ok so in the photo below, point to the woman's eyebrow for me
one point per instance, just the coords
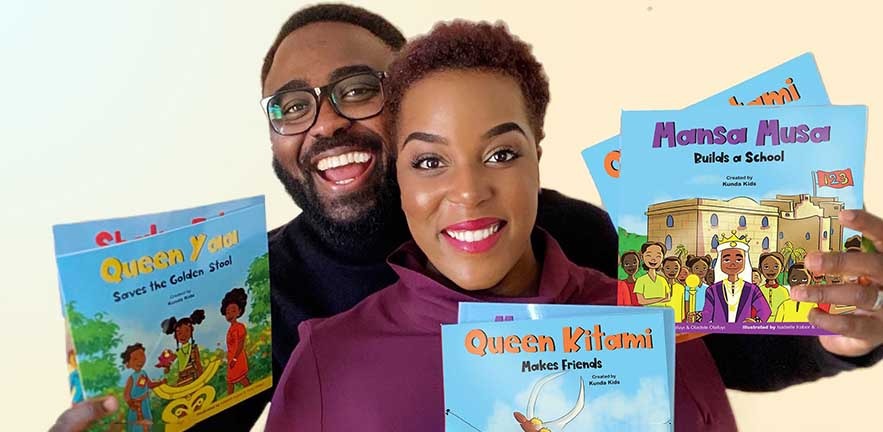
(423, 136)
(501, 129)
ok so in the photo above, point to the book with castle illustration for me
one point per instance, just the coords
(558, 368)
(795, 82)
(718, 209)
(169, 312)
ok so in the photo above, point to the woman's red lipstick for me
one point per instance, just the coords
(474, 236)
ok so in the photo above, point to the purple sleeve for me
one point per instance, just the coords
(297, 402)
(708, 309)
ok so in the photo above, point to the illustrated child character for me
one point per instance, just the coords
(671, 268)
(625, 289)
(652, 289)
(232, 307)
(733, 299)
(137, 390)
(755, 277)
(699, 266)
(771, 265)
(792, 310)
(189, 365)
(827, 307)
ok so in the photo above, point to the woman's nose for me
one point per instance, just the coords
(469, 187)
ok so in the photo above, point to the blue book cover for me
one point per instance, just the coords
(172, 315)
(720, 207)
(795, 82)
(595, 370)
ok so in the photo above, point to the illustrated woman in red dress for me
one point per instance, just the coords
(232, 307)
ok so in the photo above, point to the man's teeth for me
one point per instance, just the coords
(473, 236)
(342, 160)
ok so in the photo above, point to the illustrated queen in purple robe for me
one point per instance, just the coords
(733, 298)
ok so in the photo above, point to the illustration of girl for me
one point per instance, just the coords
(699, 266)
(625, 289)
(771, 265)
(189, 365)
(671, 268)
(650, 289)
(792, 310)
(137, 390)
(755, 277)
(232, 307)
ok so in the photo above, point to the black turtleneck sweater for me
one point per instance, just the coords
(311, 278)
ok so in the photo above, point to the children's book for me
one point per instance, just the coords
(795, 82)
(168, 312)
(720, 207)
(558, 368)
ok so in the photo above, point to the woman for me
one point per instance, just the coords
(232, 307)
(465, 113)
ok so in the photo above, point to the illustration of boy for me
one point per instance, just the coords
(733, 299)
(792, 310)
(137, 390)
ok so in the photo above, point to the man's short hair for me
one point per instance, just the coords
(376, 24)
(462, 45)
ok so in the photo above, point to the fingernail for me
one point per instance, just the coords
(846, 215)
(814, 261)
(109, 404)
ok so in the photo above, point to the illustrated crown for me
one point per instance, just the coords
(734, 240)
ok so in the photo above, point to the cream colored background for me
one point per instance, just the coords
(114, 108)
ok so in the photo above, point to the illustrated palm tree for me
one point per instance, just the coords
(681, 252)
(793, 254)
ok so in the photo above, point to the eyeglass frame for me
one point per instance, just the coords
(318, 92)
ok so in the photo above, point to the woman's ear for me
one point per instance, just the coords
(539, 152)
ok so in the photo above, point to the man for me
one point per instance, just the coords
(733, 299)
(335, 164)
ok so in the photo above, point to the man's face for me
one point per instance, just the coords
(338, 168)
(732, 261)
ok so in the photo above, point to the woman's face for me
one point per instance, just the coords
(770, 267)
(231, 312)
(652, 256)
(468, 170)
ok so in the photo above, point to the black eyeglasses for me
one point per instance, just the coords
(355, 97)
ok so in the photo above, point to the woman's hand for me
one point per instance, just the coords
(860, 332)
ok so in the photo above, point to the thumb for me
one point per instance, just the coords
(82, 415)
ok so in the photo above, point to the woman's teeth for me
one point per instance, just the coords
(474, 236)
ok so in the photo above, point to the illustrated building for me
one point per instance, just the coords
(697, 223)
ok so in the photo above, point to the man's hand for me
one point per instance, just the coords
(862, 331)
(82, 415)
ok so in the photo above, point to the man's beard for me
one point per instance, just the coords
(370, 217)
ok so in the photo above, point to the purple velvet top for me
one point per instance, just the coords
(378, 366)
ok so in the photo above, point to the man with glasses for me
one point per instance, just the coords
(322, 82)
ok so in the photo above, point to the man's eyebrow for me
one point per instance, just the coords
(502, 128)
(345, 71)
(423, 136)
(295, 84)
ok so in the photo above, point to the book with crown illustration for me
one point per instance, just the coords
(719, 207)
(561, 367)
(795, 82)
(169, 312)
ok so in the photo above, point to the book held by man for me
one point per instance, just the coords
(168, 312)
(719, 207)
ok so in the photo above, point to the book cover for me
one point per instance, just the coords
(720, 207)
(592, 371)
(795, 82)
(176, 323)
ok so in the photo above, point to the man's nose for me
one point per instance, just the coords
(328, 121)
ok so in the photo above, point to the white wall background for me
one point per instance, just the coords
(112, 108)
